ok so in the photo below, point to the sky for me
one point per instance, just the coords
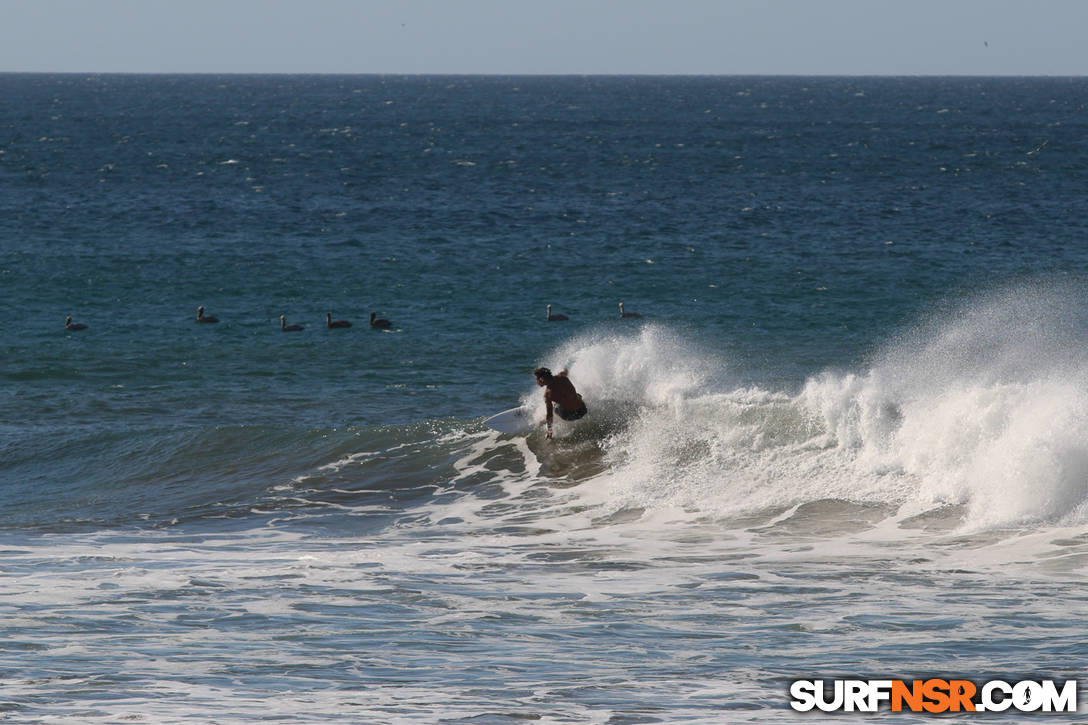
(657, 37)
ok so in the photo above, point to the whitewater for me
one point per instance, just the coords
(980, 409)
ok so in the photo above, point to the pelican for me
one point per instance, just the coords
(73, 326)
(628, 314)
(288, 328)
(330, 323)
(557, 317)
(201, 318)
(376, 321)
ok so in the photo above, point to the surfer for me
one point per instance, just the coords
(558, 389)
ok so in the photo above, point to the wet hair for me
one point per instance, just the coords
(543, 373)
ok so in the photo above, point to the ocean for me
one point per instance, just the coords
(847, 438)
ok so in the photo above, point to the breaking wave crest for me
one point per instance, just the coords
(983, 408)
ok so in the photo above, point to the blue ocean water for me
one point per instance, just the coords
(846, 437)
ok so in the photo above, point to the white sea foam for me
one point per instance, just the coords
(983, 407)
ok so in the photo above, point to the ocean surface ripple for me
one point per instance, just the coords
(847, 437)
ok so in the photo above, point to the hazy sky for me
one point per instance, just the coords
(796, 37)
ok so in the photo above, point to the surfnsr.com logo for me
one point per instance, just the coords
(933, 695)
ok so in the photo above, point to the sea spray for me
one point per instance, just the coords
(984, 407)
(652, 366)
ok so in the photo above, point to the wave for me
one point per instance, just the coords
(981, 410)
(976, 419)
(157, 477)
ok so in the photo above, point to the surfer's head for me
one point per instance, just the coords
(543, 376)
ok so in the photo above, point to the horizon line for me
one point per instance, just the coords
(540, 75)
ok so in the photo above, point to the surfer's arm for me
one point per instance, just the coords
(548, 411)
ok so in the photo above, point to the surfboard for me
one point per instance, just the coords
(514, 421)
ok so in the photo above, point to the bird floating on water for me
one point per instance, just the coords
(628, 314)
(201, 317)
(376, 321)
(556, 317)
(73, 326)
(331, 323)
(288, 328)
